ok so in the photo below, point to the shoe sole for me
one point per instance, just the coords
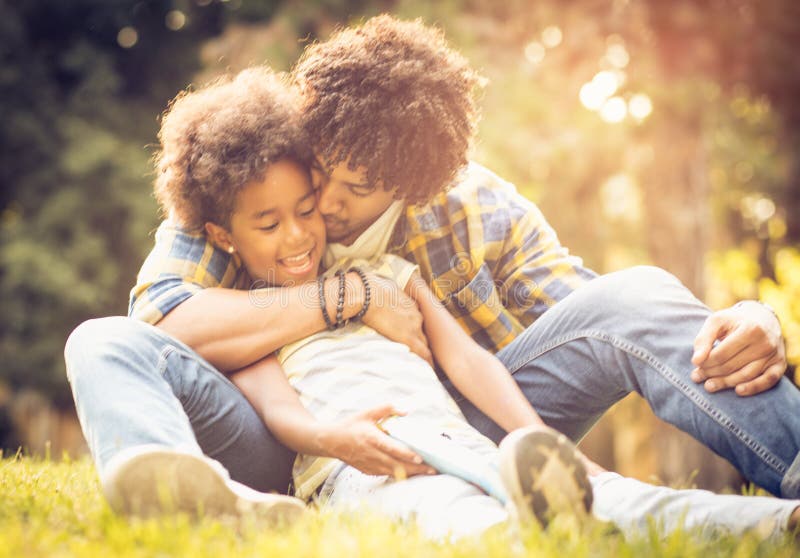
(163, 481)
(543, 475)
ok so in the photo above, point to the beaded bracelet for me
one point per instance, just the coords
(340, 321)
(367, 293)
(321, 285)
(340, 301)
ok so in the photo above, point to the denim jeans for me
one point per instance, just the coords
(626, 331)
(634, 331)
(134, 385)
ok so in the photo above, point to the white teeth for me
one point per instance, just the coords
(296, 259)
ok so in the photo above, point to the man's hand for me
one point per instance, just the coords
(359, 442)
(740, 347)
(395, 315)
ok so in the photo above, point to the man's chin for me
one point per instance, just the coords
(337, 234)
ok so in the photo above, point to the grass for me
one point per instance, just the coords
(55, 508)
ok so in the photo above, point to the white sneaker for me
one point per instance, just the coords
(543, 475)
(150, 480)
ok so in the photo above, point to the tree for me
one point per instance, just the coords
(81, 84)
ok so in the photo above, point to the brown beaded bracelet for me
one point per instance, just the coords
(340, 322)
(367, 293)
(321, 285)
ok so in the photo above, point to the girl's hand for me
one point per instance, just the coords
(359, 442)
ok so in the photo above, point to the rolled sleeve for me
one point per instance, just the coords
(180, 265)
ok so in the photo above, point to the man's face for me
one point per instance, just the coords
(348, 203)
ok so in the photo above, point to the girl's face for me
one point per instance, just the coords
(275, 228)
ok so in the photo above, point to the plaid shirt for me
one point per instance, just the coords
(487, 253)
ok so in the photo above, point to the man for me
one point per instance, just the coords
(390, 107)
(498, 266)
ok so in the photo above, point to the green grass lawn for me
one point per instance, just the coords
(55, 508)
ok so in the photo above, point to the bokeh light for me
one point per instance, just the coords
(617, 55)
(764, 209)
(552, 36)
(606, 83)
(591, 97)
(614, 110)
(175, 20)
(534, 52)
(757, 209)
(595, 93)
(640, 106)
(127, 37)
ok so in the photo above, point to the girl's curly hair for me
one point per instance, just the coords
(393, 97)
(217, 140)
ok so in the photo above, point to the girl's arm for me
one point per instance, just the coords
(357, 440)
(475, 372)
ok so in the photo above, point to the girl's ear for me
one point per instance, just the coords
(219, 237)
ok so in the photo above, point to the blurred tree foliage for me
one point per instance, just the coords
(78, 110)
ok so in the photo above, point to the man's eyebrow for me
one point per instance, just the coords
(319, 166)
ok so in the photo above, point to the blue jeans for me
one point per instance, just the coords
(626, 331)
(133, 385)
(634, 331)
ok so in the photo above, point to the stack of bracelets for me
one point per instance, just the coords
(340, 321)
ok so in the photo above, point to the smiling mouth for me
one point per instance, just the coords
(299, 264)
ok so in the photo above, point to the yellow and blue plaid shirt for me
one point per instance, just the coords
(487, 252)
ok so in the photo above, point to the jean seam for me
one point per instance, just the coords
(163, 357)
(668, 374)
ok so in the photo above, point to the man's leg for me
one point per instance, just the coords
(136, 386)
(634, 331)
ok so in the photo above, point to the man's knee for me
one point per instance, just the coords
(637, 291)
(96, 339)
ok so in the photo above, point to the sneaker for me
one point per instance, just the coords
(543, 475)
(151, 480)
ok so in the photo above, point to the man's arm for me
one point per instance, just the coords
(740, 347)
(185, 287)
(356, 440)
(475, 372)
(233, 328)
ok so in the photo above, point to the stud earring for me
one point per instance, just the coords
(231, 249)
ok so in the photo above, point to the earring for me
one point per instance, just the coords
(231, 249)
